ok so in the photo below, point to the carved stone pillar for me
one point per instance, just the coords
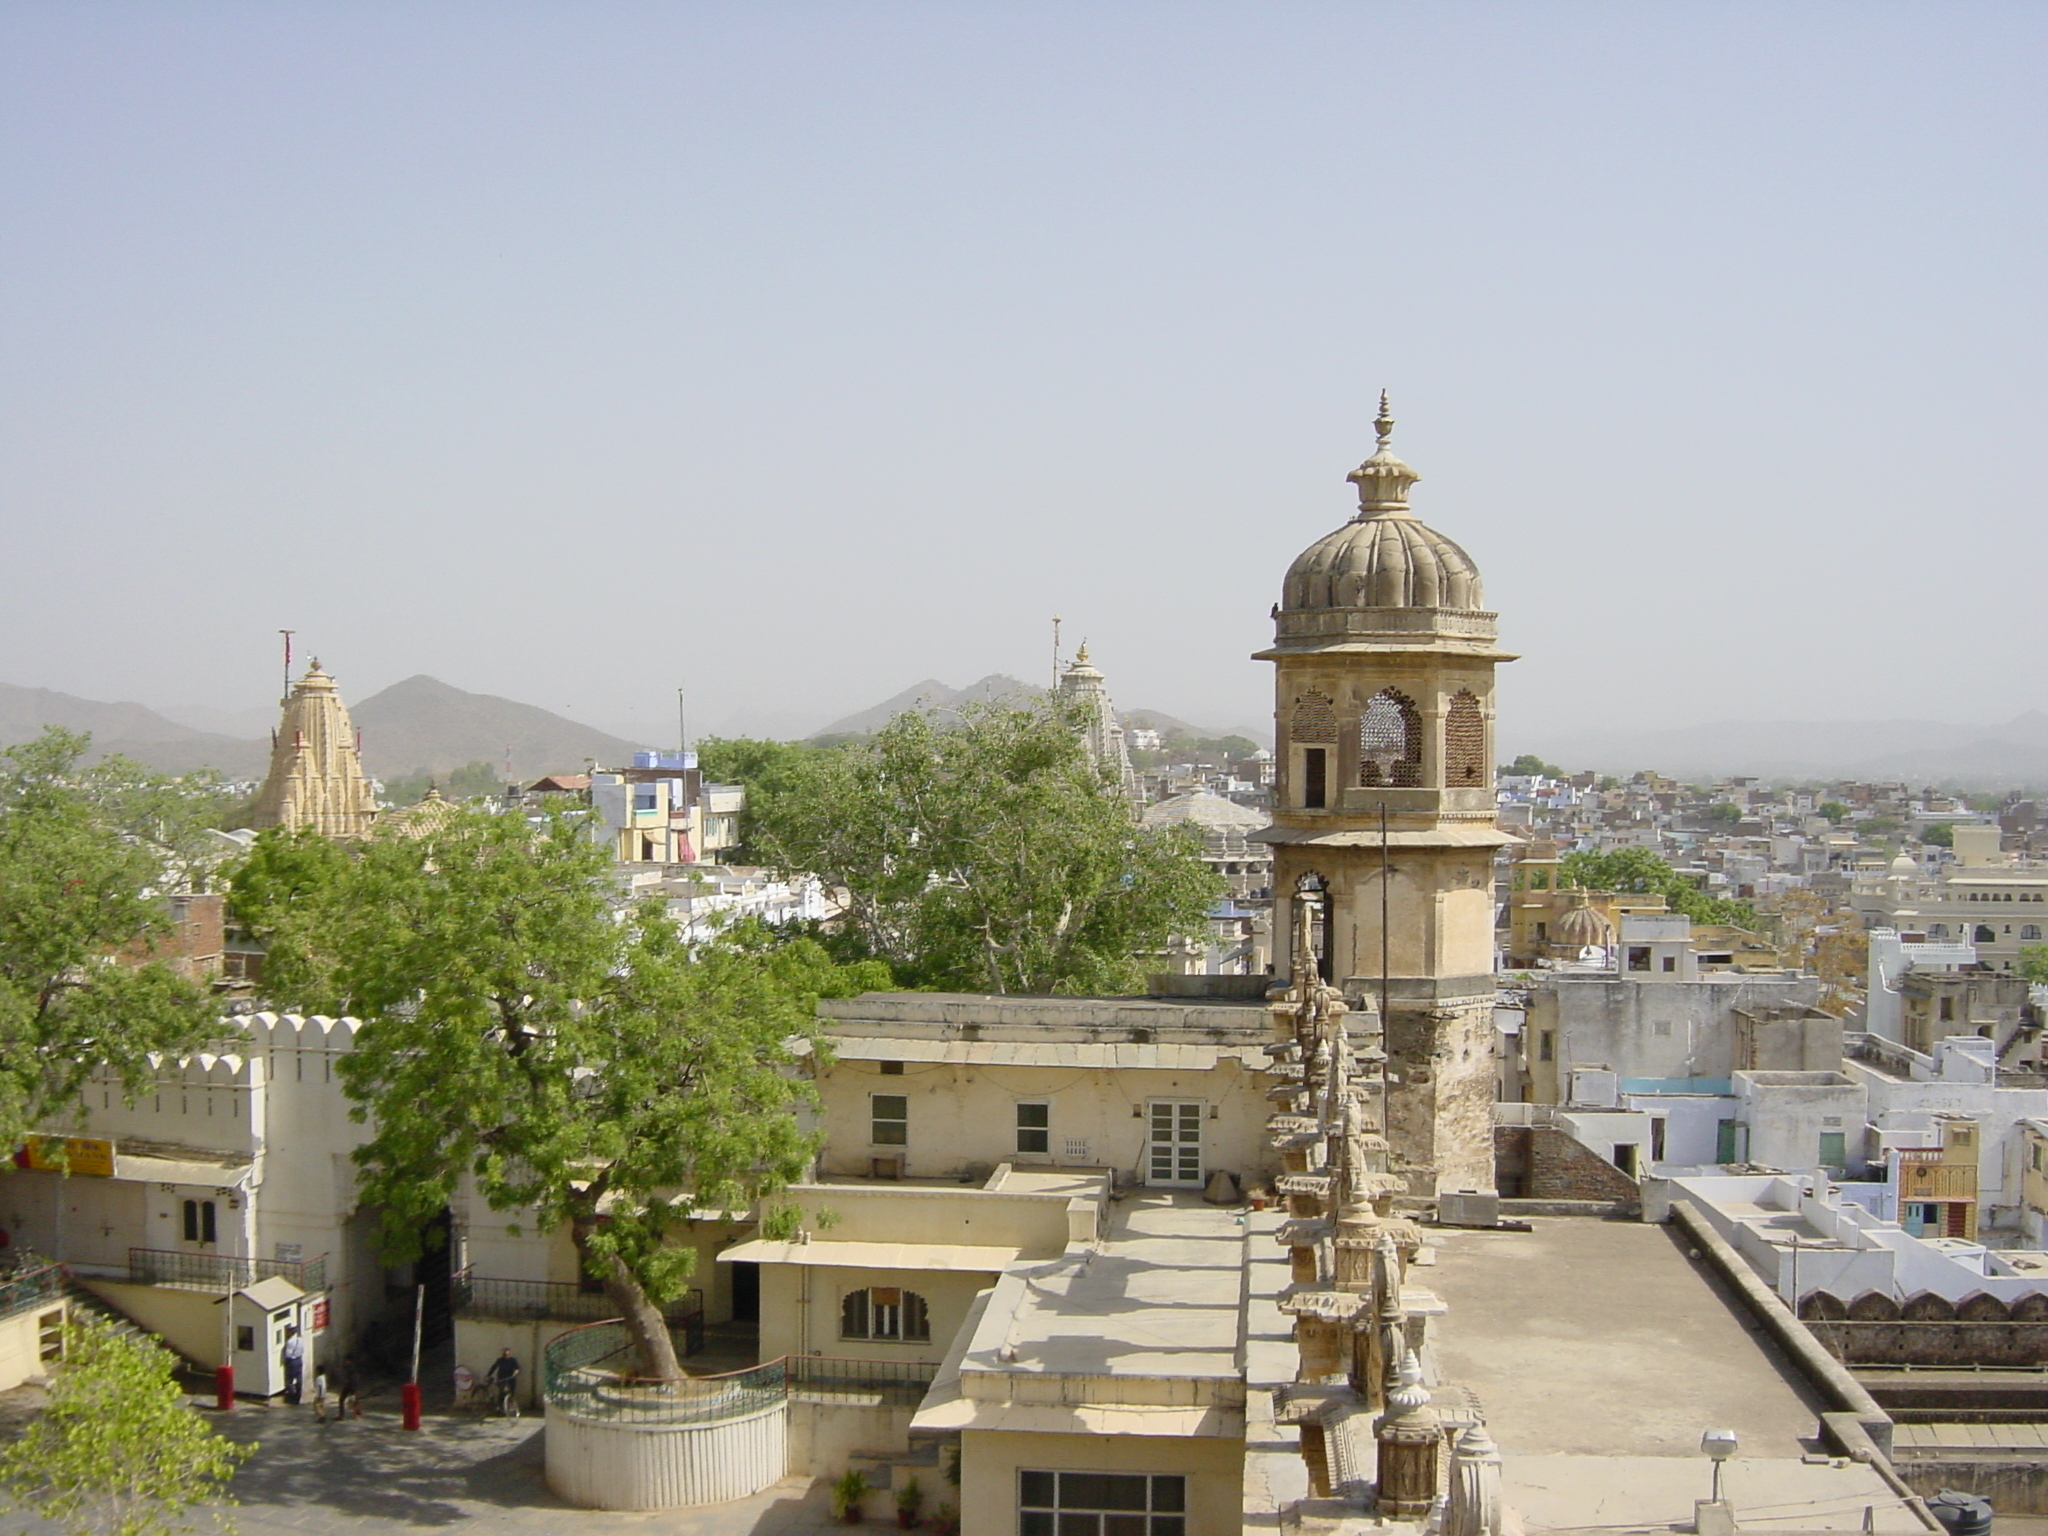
(1475, 1503)
(1408, 1436)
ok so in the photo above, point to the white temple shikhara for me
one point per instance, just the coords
(316, 777)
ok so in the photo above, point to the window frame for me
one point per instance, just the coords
(1065, 1500)
(1041, 1132)
(898, 1123)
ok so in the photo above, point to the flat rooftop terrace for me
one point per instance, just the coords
(1600, 1352)
(1602, 1338)
(1159, 1297)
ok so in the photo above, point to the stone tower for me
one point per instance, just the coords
(1082, 683)
(316, 774)
(1385, 656)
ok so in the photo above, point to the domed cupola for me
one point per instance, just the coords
(1385, 570)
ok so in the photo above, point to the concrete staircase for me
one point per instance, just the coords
(80, 1299)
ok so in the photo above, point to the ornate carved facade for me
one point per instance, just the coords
(1384, 808)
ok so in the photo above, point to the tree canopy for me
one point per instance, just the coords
(117, 1452)
(1640, 870)
(87, 856)
(770, 770)
(1529, 765)
(565, 1057)
(991, 854)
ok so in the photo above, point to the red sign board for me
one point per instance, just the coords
(320, 1314)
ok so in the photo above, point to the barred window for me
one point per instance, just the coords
(1464, 741)
(1390, 741)
(1315, 718)
(885, 1312)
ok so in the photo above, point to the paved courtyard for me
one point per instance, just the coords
(368, 1477)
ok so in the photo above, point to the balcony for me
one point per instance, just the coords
(25, 1289)
(220, 1271)
(526, 1301)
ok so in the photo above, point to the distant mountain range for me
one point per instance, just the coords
(421, 725)
(2011, 755)
(935, 695)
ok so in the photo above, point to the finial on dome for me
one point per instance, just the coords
(1383, 480)
(1081, 656)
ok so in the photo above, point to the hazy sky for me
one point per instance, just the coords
(796, 352)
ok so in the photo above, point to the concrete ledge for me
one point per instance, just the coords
(1827, 1373)
(1611, 1210)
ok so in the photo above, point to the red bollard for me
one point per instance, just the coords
(224, 1386)
(409, 1405)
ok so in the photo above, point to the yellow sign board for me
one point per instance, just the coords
(87, 1155)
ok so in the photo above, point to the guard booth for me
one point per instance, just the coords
(260, 1315)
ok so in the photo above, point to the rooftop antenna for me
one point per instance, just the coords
(1055, 650)
(287, 633)
(682, 724)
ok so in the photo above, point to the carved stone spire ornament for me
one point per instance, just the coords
(1408, 1438)
(1474, 1507)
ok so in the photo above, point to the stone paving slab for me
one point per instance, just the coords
(483, 1476)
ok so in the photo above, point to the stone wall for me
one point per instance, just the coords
(1540, 1162)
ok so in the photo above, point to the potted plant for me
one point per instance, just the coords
(945, 1522)
(909, 1499)
(847, 1496)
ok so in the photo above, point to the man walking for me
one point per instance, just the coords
(294, 1366)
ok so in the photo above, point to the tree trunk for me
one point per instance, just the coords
(643, 1319)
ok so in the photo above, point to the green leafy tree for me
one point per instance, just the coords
(567, 1059)
(1723, 812)
(81, 898)
(1529, 765)
(1941, 835)
(471, 781)
(2033, 962)
(1834, 811)
(1640, 870)
(281, 870)
(770, 771)
(117, 1452)
(990, 855)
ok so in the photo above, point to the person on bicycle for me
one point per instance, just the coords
(503, 1377)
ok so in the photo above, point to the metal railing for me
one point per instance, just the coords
(29, 1287)
(521, 1301)
(588, 1372)
(900, 1382)
(217, 1271)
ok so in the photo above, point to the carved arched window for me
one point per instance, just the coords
(1390, 741)
(885, 1312)
(1464, 742)
(1315, 718)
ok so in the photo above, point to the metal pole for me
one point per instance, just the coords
(1386, 965)
(224, 1378)
(409, 1394)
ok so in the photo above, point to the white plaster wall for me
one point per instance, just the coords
(965, 1118)
(607, 1465)
(1661, 1029)
(21, 1344)
(800, 1309)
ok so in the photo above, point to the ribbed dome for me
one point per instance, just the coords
(1385, 557)
(1582, 926)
